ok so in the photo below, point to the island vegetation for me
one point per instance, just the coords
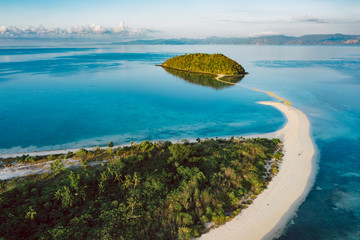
(217, 64)
(158, 190)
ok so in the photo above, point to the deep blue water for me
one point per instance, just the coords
(73, 97)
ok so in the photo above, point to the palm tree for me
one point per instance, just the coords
(57, 166)
(136, 180)
(31, 213)
(128, 181)
(132, 203)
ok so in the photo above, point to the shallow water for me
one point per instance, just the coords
(91, 97)
(85, 97)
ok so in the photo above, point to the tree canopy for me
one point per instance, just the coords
(145, 191)
(205, 63)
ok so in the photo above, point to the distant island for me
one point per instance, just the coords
(313, 39)
(216, 64)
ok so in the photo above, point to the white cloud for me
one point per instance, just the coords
(89, 31)
(121, 27)
(2, 29)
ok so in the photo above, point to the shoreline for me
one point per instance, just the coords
(271, 210)
(267, 217)
(214, 74)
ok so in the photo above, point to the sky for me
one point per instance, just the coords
(185, 18)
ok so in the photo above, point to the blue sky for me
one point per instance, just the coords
(196, 18)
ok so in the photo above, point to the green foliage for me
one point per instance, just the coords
(65, 196)
(179, 153)
(31, 213)
(146, 191)
(110, 144)
(205, 63)
(82, 154)
(57, 166)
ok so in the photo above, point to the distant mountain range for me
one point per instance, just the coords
(316, 39)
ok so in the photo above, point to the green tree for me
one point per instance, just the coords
(30, 213)
(205, 63)
(168, 194)
(82, 154)
(57, 166)
(128, 182)
(74, 180)
(179, 153)
(65, 196)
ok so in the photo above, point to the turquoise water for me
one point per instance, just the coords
(88, 97)
(60, 98)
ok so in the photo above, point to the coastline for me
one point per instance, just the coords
(276, 205)
(213, 74)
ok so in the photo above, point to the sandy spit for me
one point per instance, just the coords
(275, 206)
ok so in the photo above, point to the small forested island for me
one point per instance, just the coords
(159, 190)
(217, 64)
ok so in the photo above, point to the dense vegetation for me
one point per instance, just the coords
(205, 63)
(207, 80)
(144, 191)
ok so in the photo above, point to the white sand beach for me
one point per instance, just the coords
(273, 208)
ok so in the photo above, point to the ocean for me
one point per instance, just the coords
(87, 95)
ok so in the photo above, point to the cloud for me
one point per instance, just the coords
(309, 19)
(263, 34)
(89, 31)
